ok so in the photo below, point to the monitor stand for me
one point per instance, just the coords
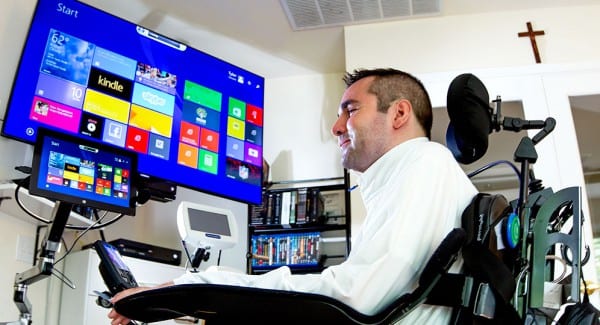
(45, 264)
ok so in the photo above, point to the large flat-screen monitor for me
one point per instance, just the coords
(193, 119)
(83, 172)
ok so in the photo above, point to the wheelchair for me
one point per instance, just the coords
(504, 246)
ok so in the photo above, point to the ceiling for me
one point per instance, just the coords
(304, 14)
(273, 48)
(226, 27)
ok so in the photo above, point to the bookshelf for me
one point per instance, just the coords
(302, 224)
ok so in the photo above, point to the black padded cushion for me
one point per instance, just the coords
(470, 118)
(481, 256)
(480, 215)
(223, 304)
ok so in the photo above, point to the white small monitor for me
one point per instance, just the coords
(205, 226)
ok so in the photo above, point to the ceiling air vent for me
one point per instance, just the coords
(309, 14)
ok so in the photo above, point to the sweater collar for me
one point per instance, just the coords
(370, 181)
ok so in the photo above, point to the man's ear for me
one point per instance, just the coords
(401, 110)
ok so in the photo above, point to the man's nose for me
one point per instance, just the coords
(339, 127)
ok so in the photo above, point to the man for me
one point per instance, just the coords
(413, 190)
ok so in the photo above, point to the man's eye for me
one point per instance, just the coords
(351, 111)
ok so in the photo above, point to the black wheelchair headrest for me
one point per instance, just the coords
(470, 118)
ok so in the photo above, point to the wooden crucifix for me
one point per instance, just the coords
(532, 34)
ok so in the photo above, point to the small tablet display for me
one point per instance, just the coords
(91, 174)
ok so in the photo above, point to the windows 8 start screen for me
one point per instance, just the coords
(192, 118)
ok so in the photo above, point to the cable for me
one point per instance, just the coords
(20, 204)
(518, 280)
(539, 312)
(63, 278)
(95, 214)
(77, 239)
(494, 164)
(189, 261)
(68, 226)
(564, 264)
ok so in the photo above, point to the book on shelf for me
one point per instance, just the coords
(277, 208)
(269, 208)
(293, 206)
(286, 200)
(302, 194)
(257, 215)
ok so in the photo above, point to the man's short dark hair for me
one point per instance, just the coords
(391, 84)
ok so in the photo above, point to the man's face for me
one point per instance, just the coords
(362, 131)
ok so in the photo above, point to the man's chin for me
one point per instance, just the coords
(347, 163)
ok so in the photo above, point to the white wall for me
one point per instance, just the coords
(14, 22)
(10, 229)
(299, 113)
(475, 41)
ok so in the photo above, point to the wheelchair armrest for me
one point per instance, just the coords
(227, 304)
